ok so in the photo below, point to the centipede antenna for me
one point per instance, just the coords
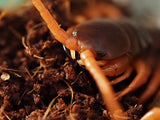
(104, 85)
(66, 39)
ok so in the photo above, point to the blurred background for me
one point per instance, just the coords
(142, 11)
(10, 4)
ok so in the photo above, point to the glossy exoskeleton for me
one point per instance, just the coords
(110, 48)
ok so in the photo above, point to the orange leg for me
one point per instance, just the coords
(103, 10)
(153, 114)
(68, 40)
(116, 67)
(143, 72)
(104, 85)
(123, 77)
(152, 86)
